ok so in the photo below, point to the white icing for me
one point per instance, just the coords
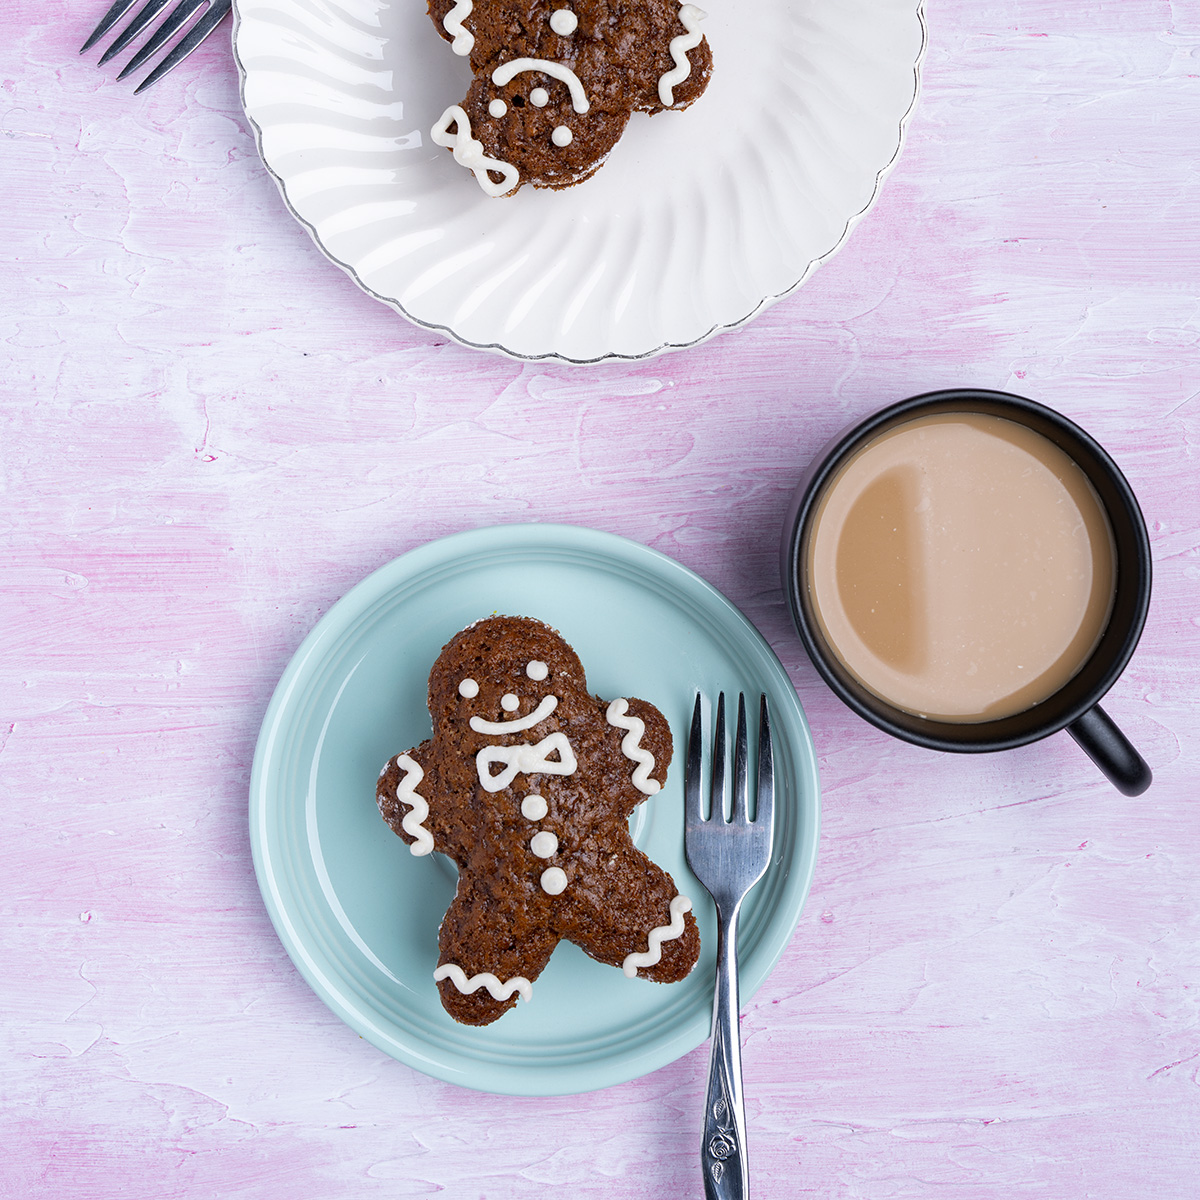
(543, 844)
(631, 747)
(562, 136)
(452, 23)
(537, 670)
(485, 979)
(564, 22)
(534, 807)
(406, 793)
(505, 72)
(689, 17)
(509, 702)
(662, 933)
(468, 688)
(539, 97)
(554, 881)
(525, 759)
(497, 108)
(539, 714)
(468, 152)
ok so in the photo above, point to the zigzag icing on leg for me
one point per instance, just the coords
(485, 979)
(662, 933)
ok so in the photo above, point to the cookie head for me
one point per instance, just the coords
(555, 82)
(503, 676)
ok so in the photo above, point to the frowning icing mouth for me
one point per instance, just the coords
(539, 714)
(505, 72)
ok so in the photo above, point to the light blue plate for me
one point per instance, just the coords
(359, 914)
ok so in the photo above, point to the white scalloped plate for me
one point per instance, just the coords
(697, 221)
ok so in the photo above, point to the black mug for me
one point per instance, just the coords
(1074, 706)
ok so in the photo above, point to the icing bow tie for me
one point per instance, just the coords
(525, 759)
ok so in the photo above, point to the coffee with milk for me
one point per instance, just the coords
(961, 567)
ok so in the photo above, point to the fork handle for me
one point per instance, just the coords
(723, 1146)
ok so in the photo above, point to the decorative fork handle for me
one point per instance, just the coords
(723, 1148)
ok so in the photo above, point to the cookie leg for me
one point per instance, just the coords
(634, 917)
(491, 953)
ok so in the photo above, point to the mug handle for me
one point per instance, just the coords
(1111, 751)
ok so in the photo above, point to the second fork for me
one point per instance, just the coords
(211, 14)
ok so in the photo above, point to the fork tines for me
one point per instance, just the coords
(212, 13)
(765, 781)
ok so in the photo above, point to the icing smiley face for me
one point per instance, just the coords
(532, 801)
(547, 107)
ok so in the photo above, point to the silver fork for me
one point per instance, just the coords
(729, 856)
(215, 12)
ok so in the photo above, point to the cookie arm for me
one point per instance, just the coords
(642, 738)
(691, 61)
(490, 954)
(404, 794)
(438, 11)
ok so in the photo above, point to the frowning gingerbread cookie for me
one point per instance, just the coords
(555, 81)
(528, 783)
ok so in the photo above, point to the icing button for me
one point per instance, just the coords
(509, 702)
(468, 689)
(562, 136)
(564, 22)
(536, 670)
(539, 97)
(534, 807)
(554, 880)
(544, 845)
(497, 108)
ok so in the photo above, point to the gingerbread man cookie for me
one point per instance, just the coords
(555, 81)
(528, 783)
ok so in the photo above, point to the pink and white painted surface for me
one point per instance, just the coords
(209, 435)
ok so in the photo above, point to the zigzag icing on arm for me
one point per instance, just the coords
(662, 933)
(452, 23)
(468, 152)
(631, 746)
(689, 17)
(406, 793)
(506, 71)
(485, 979)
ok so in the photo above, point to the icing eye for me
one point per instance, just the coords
(562, 136)
(539, 97)
(468, 689)
(564, 22)
(497, 108)
(537, 670)
(509, 702)
(534, 807)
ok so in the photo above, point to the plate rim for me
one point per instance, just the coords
(612, 356)
(538, 1080)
